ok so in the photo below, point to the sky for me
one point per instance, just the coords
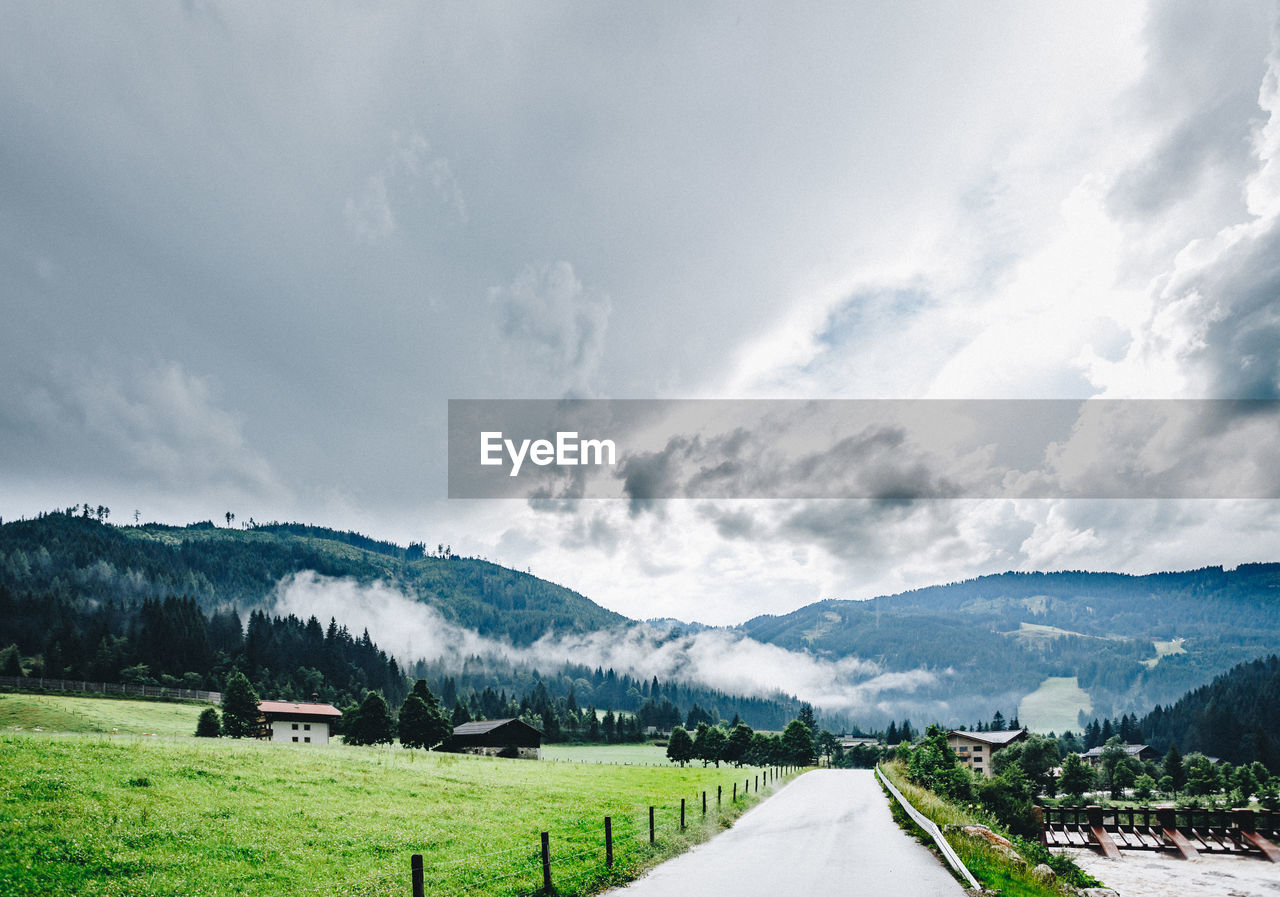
(248, 252)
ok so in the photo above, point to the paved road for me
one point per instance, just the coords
(827, 832)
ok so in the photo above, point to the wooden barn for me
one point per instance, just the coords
(497, 738)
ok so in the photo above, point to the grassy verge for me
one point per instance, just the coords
(116, 816)
(992, 869)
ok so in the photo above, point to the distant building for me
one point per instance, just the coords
(497, 738)
(303, 723)
(1141, 752)
(848, 742)
(975, 749)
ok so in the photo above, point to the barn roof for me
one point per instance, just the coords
(292, 708)
(483, 727)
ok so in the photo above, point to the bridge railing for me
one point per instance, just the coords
(1187, 830)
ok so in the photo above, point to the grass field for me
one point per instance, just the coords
(118, 815)
(1053, 706)
(613, 754)
(1037, 632)
(1165, 649)
(67, 713)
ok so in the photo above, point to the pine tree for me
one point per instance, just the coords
(372, 723)
(422, 723)
(209, 725)
(1108, 732)
(806, 716)
(12, 664)
(240, 713)
(1174, 770)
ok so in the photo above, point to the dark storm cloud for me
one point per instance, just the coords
(1200, 89)
(877, 462)
(1239, 354)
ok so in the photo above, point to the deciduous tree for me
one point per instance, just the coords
(680, 746)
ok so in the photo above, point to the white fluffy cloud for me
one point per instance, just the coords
(716, 658)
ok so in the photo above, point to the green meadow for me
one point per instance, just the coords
(147, 816)
(1053, 707)
(107, 716)
(613, 754)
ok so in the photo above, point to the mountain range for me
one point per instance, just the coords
(1055, 648)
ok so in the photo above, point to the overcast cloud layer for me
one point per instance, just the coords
(247, 254)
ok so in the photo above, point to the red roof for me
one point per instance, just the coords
(289, 708)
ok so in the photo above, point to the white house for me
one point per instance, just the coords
(303, 723)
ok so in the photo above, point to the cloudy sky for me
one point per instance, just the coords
(248, 253)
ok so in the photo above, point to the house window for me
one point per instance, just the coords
(307, 739)
(962, 749)
(976, 750)
(295, 727)
(295, 738)
(307, 726)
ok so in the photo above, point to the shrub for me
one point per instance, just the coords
(209, 725)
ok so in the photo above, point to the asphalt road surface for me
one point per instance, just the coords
(827, 832)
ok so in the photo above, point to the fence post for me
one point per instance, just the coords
(608, 842)
(757, 784)
(419, 887)
(546, 862)
(651, 825)
(719, 788)
(704, 803)
(682, 814)
(735, 792)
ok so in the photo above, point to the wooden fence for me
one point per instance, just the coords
(1187, 832)
(536, 865)
(35, 683)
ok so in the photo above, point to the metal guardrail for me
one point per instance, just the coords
(930, 828)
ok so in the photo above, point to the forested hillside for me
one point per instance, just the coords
(1132, 641)
(1236, 717)
(183, 606)
(70, 557)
